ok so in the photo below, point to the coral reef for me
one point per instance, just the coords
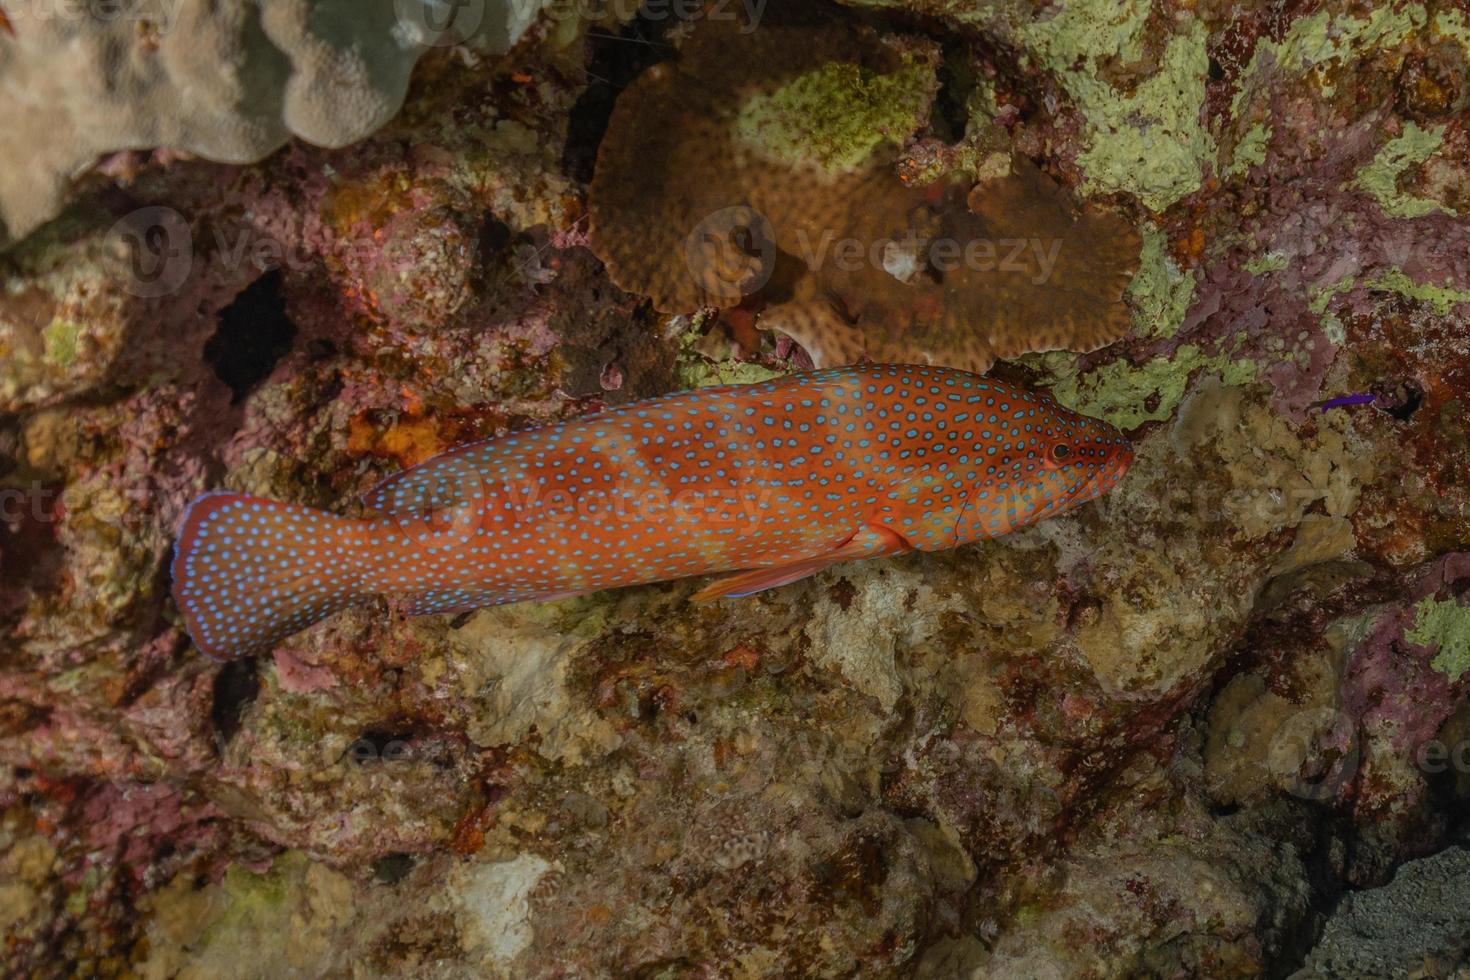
(1193, 728)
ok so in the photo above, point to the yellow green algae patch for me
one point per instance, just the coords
(217, 929)
(1128, 395)
(1318, 41)
(1161, 292)
(1440, 297)
(1250, 150)
(1445, 625)
(1454, 25)
(1319, 297)
(1379, 178)
(61, 338)
(1265, 262)
(1150, 142)
(837, 115)
(1320, 38)
(695, 370)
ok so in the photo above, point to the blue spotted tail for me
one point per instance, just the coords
(248, 572)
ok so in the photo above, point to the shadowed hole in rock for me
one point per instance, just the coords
(616, 59)
(950, 114)
(31, 555)
(380, 745)
(320, 349)
(254, 333)
(235, 688)
(1399, 397)
(390, 869)
(18, 717)
(495, 235)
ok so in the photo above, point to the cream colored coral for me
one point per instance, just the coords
(229, 80)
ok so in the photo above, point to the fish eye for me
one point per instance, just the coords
(1061, 452)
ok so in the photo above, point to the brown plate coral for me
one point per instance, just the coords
(761, 170)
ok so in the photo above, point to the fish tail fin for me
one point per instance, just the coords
(248, 571)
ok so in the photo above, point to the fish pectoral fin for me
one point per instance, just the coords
(759, 579)
(870, 541)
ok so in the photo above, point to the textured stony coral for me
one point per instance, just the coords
(1026, 757)
(230, 81)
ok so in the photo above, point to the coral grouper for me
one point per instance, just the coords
(772, 481)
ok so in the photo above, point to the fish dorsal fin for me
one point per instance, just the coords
(447, 480)
(454, 477)
(870, 541)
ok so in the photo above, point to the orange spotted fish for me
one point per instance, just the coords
(772, 481)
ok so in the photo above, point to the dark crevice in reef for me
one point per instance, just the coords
(950, 114)
(235, 687)
(31, 556)
(1400, 398)
(1320, 855)
(254, 333)
(390, 869)
(613, 61)
(495, 236)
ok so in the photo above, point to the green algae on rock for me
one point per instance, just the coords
(1380, 177)
(1442, 297)
(1151, 142)
(1161, 293)
(1128, 395)
(1444, 624)
(836, 116)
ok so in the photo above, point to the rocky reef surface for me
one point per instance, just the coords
(1183, 731)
